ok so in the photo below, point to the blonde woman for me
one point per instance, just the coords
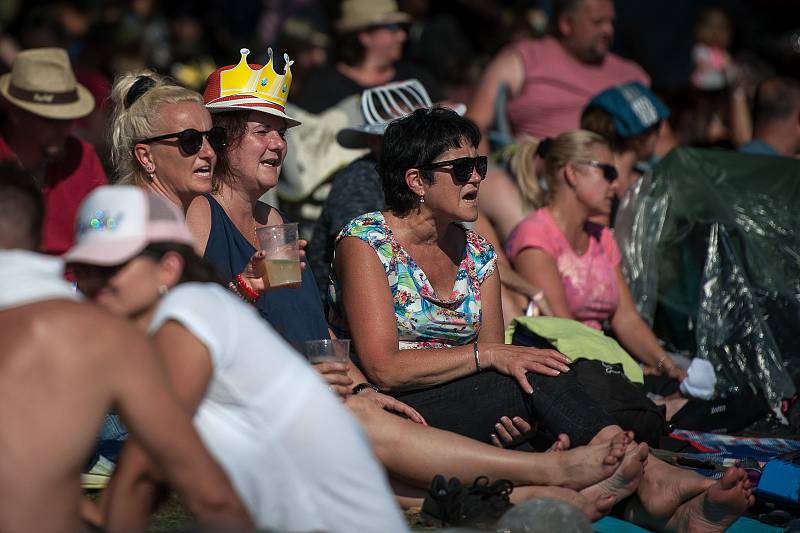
(576, 261)
(162, 138)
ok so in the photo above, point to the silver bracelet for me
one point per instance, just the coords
(477, 356)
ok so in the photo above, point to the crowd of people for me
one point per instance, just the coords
(136, 297)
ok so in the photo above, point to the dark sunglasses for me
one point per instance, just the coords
(609, 171)
(191, 140)
(80, 270)
(391, 26)
(462, 167)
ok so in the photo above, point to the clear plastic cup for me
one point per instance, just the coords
(327, 351)
(282, 249)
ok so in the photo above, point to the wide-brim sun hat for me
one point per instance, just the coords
(362, 14)
(116, 222)
(250, 87)
(42, 82)
(383, 104)
(634, 108)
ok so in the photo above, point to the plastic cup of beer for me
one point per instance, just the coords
(282, 250)
(327, 351)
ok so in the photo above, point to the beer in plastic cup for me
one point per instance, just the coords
(282, 254)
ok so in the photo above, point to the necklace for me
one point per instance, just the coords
(251, 239)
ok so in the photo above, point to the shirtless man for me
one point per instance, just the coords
(63, 365)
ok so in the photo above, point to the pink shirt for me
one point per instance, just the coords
(590, 280)
(557, 86)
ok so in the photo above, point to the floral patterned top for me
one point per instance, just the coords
(424, 320)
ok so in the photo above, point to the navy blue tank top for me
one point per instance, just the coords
(294, 313)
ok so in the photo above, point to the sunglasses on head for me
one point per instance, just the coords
(609, 171)
(191, 140)
(462, 167)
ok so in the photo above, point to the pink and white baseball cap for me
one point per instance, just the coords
(116, 222)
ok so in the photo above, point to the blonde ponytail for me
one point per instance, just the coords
(136, 118)
(523, 166)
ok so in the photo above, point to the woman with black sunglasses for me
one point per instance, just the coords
(574, 260)
(162, 137)
(419, 295)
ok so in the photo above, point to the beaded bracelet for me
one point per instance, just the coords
(245, 289)
(232, 286)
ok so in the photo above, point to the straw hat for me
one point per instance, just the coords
(361, 14)
(41, 81)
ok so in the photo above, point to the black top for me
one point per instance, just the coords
(296, 314)
(326, 86)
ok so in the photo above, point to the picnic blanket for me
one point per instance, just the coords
(727, 446)
(610, 524)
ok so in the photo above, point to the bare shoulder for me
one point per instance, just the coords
(66, 324)
(198, 219)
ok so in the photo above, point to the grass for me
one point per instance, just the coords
(171, 516)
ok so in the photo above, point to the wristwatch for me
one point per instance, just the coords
(366, 385)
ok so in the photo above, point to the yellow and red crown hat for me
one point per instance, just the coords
(250, 86)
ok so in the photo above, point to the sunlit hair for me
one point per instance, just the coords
(569, 146)
(136, 117)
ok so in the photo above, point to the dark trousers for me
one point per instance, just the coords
(472, 405)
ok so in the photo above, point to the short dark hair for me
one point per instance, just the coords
(562, 7)
(21, 208)
(348, 49)
(776, 99)
(235, 125)
(416, 140)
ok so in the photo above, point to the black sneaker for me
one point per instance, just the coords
(479, 505)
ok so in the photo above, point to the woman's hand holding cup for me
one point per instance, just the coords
(331, 358)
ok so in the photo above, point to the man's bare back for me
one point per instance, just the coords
(63, 364)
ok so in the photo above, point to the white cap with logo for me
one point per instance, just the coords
(116, 222)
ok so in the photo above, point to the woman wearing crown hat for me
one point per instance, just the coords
(248, 100)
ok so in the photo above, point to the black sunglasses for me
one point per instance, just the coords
(191, 140)
(609, 171)
(391, 26)
(106, 272)
(462, 167)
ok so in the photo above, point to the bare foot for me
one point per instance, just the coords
(717, 508)
(595, 509)
(561, 444)
(612, 432)
(625, 480)
(584, 466)
(665, 487)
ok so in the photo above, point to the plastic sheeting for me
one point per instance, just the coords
(711, 247)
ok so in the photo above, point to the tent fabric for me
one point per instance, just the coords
(711, 247)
